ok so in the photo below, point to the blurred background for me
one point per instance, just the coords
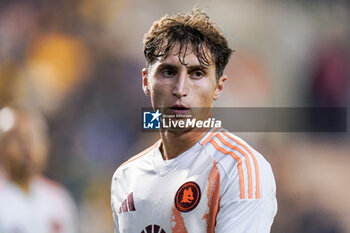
(79, 63)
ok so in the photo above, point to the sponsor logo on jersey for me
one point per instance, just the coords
(128, 204)
(187, 197)
(153, 229)
(151, 120)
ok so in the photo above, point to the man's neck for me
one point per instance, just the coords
(174, 144)
(22, 182)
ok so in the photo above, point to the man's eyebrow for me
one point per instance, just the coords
(175, 67)
(197, 67)
(167, 65)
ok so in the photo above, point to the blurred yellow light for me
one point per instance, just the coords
(56, 63)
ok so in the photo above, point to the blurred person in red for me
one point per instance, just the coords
(29, 202)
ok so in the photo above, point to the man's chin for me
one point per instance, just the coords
(21, 175)
(177, 130)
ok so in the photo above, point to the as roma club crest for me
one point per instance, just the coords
(187, 197)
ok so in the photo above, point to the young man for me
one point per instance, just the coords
(190, 180)
(29, 202)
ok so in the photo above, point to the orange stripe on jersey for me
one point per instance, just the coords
(239, 165)
(210, 136)
(213, 195)
(249, 169)
(178, 225)
(254, 160)
(139, 155)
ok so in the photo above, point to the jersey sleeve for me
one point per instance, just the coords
(253, 216)
(247, 215)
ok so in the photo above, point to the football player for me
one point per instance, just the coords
(30, 203)
(190, 180)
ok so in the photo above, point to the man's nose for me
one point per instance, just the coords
(181, 86)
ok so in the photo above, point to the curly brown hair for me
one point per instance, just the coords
(193, 28)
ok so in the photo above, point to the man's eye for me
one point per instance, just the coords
(197, 74)
(168, 73)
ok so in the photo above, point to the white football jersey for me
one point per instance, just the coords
(220, 184)
(46, 208)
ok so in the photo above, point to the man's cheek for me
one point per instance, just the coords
(205, 98)
(157, 94)
(158, 98)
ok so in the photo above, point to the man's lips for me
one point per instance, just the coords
(179, 106)
(179, 109)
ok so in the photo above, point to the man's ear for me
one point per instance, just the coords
(145, 84)
(220, 86)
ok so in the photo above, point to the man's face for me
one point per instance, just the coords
(23, 150)
(176, 89)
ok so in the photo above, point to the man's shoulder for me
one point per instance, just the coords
(228, 146)
(239, 161)
(136, 158)
(52, 188)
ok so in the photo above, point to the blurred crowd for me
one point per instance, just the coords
(79, 64)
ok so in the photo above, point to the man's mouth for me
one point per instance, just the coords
(180, 109)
